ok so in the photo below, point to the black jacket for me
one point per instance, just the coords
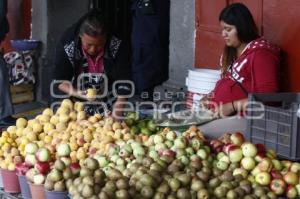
(69, 57)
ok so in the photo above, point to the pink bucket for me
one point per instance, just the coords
(10, 181)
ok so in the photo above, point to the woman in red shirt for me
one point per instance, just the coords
(249, 64)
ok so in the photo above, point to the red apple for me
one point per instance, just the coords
(263, 178)
(18, 159)
(219, 149)
(31, 148)
(63, 150)
(276, 174)
(265, 165)
(248, 163)
(43, 155)
(93, 151)
(259, 157)
(235, 154)
(261, 148)
(169, 152)
(215, 144)
(237, 138)
(21, 168)
(291, 192)
(226, 147)
(75, 168)
(278, 186)
(249, 149)
(291, 178)
(42, 167)
(30, 160)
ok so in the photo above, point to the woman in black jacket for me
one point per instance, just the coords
(87, 48)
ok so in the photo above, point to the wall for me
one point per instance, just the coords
(49, 19)
(182, 41)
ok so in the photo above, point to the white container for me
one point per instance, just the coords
(208, 73)
(203, 78)
(200, 82)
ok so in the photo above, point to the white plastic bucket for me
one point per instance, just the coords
(200, 82)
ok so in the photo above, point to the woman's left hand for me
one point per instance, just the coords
(223, 110)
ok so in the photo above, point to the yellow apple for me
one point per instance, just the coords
(48, 127)
(37, 127)
(91, 93)
(62, 110)
(44, 119)
(61, 126)
(48, 111)
(21, 123)
(54, 119)
(81, 115)
(78, 106)
(31, 136)
(67, 103)
(64, 118)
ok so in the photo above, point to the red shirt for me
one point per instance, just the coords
(256, 70)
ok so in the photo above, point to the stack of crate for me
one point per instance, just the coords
(21, 94)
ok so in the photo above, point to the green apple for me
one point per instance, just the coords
(235, 154)
(277, 164)
(240, 171)
(249, 149)
(263, 178)
(222, 165)
(248, 163)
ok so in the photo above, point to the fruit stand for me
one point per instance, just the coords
(66, 153)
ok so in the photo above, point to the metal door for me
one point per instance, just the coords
(117, 12)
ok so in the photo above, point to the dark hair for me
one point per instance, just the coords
(94, 24)
(238, 15)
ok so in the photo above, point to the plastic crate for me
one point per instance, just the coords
(277, 125)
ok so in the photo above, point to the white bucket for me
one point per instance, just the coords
(200, 82)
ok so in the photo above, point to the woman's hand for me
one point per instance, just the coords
(230, 108)
(224, 110)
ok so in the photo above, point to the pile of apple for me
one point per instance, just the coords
(9, 150)
(69, 124)
(37, 163)
(257, 165)
(92, 182)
